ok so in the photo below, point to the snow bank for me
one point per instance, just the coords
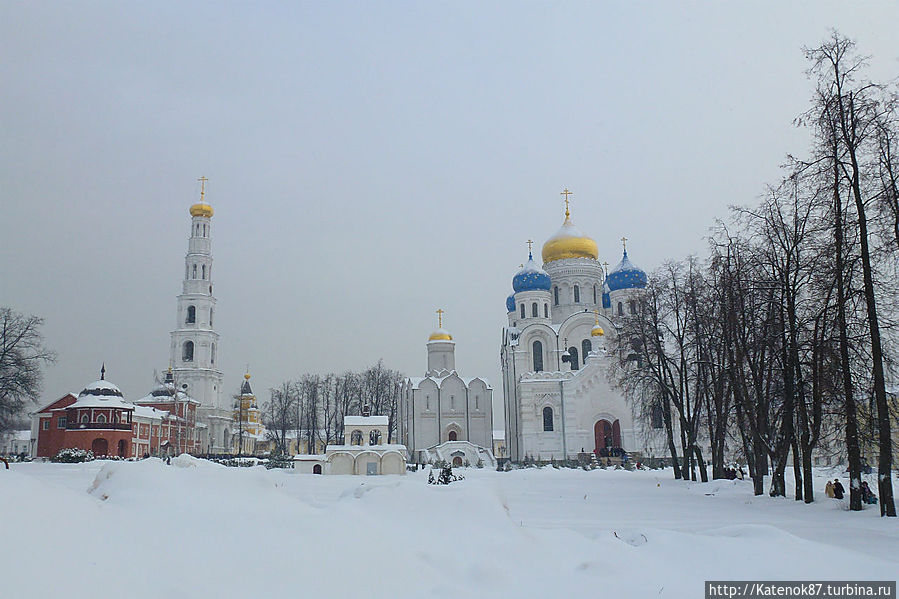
(194, 526)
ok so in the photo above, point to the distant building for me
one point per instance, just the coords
(246, 422)
(443, 416)
(16, 443)
(365, 450)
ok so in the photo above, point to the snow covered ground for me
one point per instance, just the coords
(196, 529)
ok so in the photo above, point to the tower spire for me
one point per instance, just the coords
(440, 313)
(530, 249)
(103, 372)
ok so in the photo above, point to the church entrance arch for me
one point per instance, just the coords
(317, 469)
(457, 462)
(606, 435)
(100, 447)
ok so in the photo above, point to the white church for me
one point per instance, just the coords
(558, 400)
(444, 416)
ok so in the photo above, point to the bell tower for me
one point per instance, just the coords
(194, 346)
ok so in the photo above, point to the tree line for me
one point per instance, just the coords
(313, 406)
(783, 340)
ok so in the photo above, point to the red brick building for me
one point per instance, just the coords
(99, 419)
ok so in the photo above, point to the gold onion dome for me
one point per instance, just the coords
(569, 242)
(597, 331)
(440, 335)
(201, 209)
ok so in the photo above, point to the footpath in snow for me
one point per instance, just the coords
(145, 529)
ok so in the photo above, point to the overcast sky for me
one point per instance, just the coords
(370, 162)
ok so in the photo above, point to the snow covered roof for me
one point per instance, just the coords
(416, 382)
(365, 420)
(101, 394)
(149, 413)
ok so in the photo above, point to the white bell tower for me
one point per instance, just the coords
(194, 349)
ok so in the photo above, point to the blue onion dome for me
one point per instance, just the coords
(510, 303)
(606, 298)
(531, 278)
(626, 276)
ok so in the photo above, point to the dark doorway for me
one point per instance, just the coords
(100, 447)
(453, 436)
(317, 469)
(123, 448)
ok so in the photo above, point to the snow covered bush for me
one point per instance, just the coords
(73, 456)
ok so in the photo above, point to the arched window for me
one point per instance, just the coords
(556, 295)
(427, 403)
(573, 358)
(453, 436)
(452, 402)
(374, 437)
(656, 417)
(204, 272)
(476, 402)
(522, 311)
(538, 356)
(204, 230)
(620, 309)
(101, 419)
(187, 352)
(547, 419)
(195, 271)
(212, 354)
(191, 315)
(632, 306)
(594, 294)
(84, 418)
(577, 294)
(586, 348)
(545, 310)
(534, 312)
(356, 438)
(210, 316)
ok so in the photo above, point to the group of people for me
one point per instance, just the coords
(834, 489)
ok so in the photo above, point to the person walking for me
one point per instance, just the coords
(828, 489)
(838, 489)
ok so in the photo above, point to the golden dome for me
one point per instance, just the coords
(440, 335)
(569, 242)
(597, 331)
(201, 209)
(247, 376)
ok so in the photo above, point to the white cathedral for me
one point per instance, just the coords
(558, 400)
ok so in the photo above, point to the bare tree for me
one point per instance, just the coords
(22, 358)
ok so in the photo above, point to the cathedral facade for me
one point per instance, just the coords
(558, 400)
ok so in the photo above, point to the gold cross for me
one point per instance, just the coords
(530, 245)
(566, 193)
(202, 181)
(440, 313)
(624, 243)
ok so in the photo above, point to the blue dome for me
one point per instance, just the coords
(531, 278)
(626, 276)
(510, 303)
(606, 298)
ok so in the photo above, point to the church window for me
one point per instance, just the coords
(191, 315)
(538, 356)
(476, 402)
(101, 419)
(656, 417)
(534, 312)
(620, 309)
(204, 272)
(522, 311)
(84, 418)
(547, 419)
(204, 230)
(594, 294)
(428, 403)
(452, 436)
(577, 294)
(632, 306)
(545, 310)
(573, 358)
(374, 437)
(356, 438)
(212, 354)
(187, 352)
(210, 316)
(586, 348)
(195, 271)
(452, 402)
(556, 295)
